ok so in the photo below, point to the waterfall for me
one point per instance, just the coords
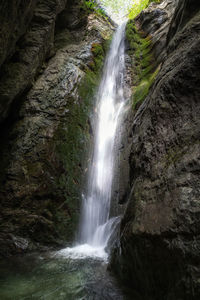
(95, 226)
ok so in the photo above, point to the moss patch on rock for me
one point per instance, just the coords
(50, 143)
(72, 141)
(144, 68)
(91, 6)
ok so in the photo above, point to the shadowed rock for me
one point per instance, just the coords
(160, 233)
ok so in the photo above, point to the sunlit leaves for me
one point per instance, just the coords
(125, 8)
(137, 7)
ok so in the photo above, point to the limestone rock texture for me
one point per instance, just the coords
(158, 254)
(50, 69)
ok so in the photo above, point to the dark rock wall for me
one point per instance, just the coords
(47, 86)
(15, 16)
(28, 47)
(159, 251)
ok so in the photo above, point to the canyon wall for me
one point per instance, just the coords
(158, 254)
(52, 54)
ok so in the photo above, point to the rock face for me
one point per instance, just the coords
(15, 17)
(155, 22)
(45, 129)
(29, 44)
(159, 251)
(121, 182)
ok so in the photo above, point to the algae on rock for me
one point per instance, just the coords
(143, 63)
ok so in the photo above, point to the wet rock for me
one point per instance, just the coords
(121, 182)
(11, 244)
(15, 17)
(155, 22)
(158, 254)
(32, 48)
(46, 138)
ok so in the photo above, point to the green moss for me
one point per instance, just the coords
(72, 140)
(142, 61)
(106, 44)
(97, 50)
(98, 54)
(92, 6)
(142, 89)
(140, 93)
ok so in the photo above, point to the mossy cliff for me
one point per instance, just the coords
(146, 40)
(158, 252)
(143, 62)
(47, 133)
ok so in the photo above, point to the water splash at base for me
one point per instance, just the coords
(96, 226)
(84, 251)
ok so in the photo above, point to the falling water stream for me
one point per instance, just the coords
(96, 226)
(80, 272)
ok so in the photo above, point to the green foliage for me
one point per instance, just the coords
(143, 63)
(138, 7)
(129, 8)
(116, 6)
(91, 5)
(120, 8)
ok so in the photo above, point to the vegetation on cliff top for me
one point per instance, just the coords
(121, 9)
(138, 6)
(92, 5)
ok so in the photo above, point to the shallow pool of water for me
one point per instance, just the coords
(55, 277)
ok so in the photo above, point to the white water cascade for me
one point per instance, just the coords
(95, 226)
